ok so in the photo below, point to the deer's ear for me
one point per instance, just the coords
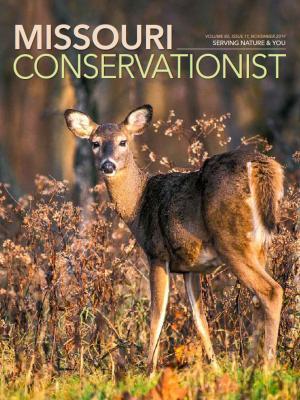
(138, 119)
(79, 123)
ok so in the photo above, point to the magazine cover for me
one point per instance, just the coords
(149, 199)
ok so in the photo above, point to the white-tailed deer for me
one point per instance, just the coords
(190, 223)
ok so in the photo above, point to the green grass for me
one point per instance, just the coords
(232, 382)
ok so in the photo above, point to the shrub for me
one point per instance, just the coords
(74, 292)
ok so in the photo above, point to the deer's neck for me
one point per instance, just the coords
(126, 189)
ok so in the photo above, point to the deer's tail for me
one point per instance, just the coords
(266, 187)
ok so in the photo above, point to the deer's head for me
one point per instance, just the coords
(110, 142)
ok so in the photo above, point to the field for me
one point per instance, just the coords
(74, 303)
(194, 382)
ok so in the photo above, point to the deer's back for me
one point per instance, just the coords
(180, 212)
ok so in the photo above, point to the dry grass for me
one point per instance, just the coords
(74, 298)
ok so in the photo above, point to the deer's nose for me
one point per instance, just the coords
(108, 167)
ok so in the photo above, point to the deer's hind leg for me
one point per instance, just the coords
(257, 330)
(251, 273)
(193, 289)
(255, 348)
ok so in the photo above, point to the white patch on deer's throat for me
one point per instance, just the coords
(260, 233)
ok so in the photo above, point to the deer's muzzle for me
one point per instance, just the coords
(108, 167)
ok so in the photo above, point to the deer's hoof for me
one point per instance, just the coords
(151, 370)
(215, 366)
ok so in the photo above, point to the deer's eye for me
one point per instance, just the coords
(95, 145)
(123, 143)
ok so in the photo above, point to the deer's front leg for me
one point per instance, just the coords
(159, 287)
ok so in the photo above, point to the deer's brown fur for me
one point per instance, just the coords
(190, 223)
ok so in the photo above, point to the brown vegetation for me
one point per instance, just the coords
(74, 292)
